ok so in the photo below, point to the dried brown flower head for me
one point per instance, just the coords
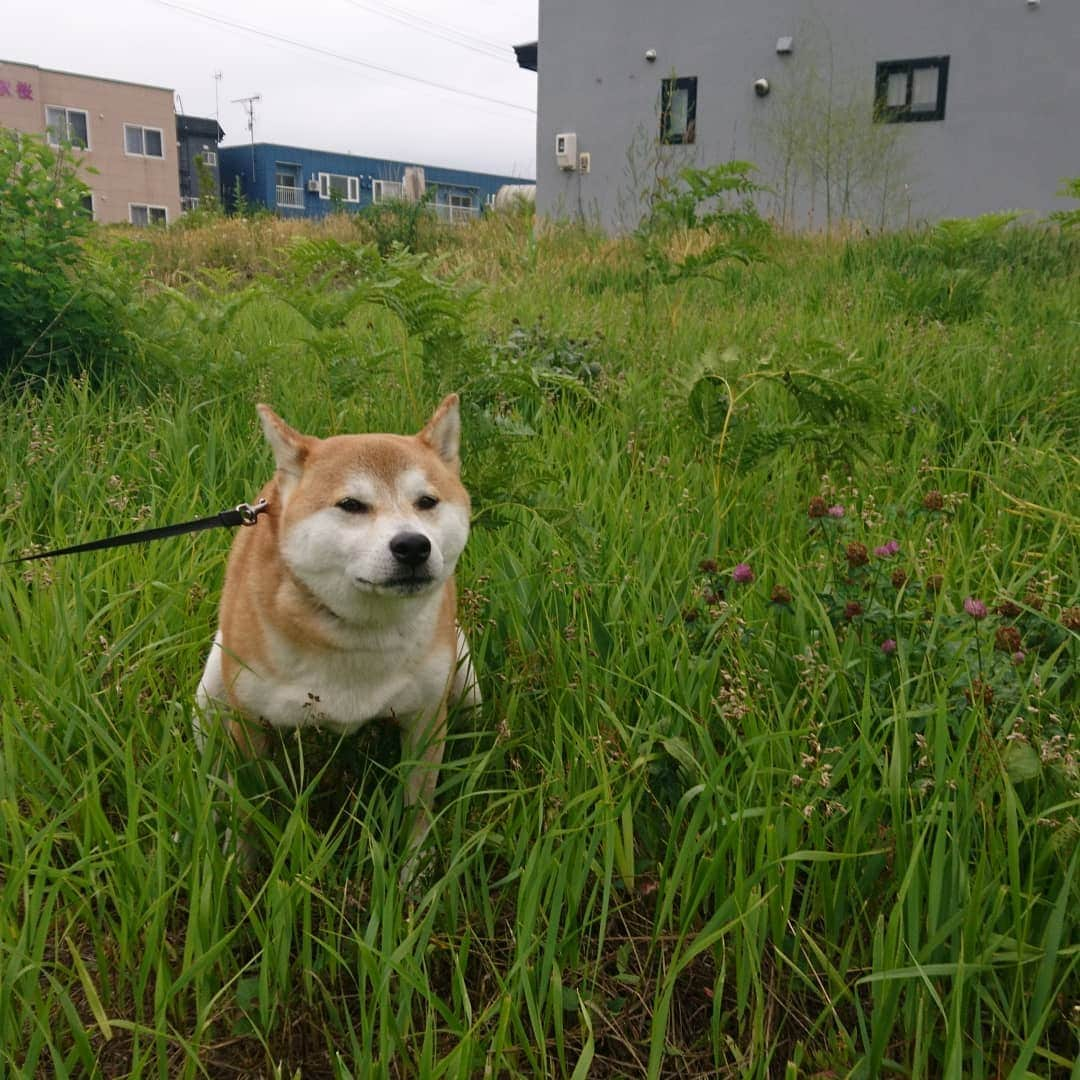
(780, 595)
(1008, 609)
(818, 507)
(1007, 639)
(934, 583)
(933, 500)
(1070, 618)
(898, 578)
(980, 693)
(857, 555)
(852, 610)
(1034, 601)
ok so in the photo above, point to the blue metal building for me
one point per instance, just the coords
(298, 182)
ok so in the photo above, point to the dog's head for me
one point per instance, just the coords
(371, 515)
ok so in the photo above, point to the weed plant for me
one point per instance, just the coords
(777, 768)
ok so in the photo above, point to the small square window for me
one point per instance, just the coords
(67, 126)
(336, 186)
(387, 190)
(906, 91)
(140, 214)
(142, 141)
(678, 111)
(210, 158)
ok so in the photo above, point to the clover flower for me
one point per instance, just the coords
(742, 574)
(817, 507)
(887, 551)
(857, 554)
(852, 610)
(888, 646)
(975, 608)
(836, 511)
(933, 500)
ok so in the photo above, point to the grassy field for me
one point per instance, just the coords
(774, 595)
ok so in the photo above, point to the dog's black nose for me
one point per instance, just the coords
(410, 548)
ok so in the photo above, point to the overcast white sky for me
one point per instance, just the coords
(317, 88)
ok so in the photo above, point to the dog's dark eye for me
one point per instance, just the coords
(426, 502)
(353, 506)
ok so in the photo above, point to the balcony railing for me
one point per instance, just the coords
(456, 215)
(291, 197)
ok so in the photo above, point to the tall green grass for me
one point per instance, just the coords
(699, 828)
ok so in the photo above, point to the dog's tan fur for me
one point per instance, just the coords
(318, 625)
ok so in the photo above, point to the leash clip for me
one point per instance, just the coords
(250, 514)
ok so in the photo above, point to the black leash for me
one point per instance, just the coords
(244, 514)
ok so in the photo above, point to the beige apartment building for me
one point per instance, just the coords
(124, 131)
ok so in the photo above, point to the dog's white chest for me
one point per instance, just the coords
(340, 691)
(345, 690)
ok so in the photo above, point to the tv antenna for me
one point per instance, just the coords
(217, 86)
(249, 107)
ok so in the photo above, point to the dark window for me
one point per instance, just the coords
(143, 141)
(678, 110)
(65, 125)
(907, 91)
(87, 203)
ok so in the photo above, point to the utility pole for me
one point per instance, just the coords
(249, 108)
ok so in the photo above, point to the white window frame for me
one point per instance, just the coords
(51, 137)
(464, 202)
(379, 193)
(148, 207)
(352, 186)
(210, 158)
(143, 129)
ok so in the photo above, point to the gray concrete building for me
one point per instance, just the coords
(879, 112)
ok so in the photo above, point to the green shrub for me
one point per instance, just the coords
(400, 224)
(1070, 189)
(60, 305)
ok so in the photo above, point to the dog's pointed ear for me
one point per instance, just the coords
(443, 431)
(289, 446)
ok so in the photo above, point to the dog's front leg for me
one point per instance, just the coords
(423, 741)
(252, 740)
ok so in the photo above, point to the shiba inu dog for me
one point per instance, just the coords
(339, 605)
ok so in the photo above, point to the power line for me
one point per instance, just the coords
(410, 13)
(424, 25)
(341, 56)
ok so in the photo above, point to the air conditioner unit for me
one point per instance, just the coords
(313, 185)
